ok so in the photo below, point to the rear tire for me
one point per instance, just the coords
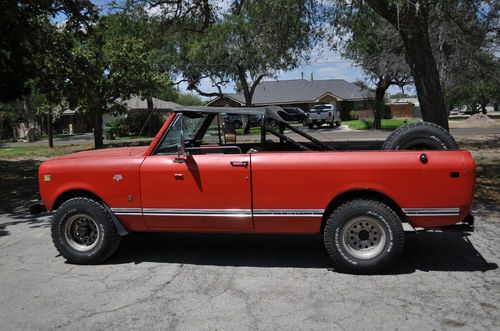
(83, 232)
(311, 126)
(420, 136)
(363, 237)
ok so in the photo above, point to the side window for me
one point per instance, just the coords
(192, 124)
(211, 136)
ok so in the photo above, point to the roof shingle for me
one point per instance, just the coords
(301, 91)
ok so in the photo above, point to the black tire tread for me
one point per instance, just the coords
(337, 260)
(408, 129)
(113, 236)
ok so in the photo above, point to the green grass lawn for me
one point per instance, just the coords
(39, 151)
(391, 124)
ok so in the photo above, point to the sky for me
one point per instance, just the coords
(324, 64)
(327, 65)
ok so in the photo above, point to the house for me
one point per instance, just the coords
(302, 93)
(404, 108)
(137, 105)
(73, 122)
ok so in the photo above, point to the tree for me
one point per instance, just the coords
(477, 85)
(50, 85)
(22, 39)
(375, 46)
(401, 95)
(412, 19)
(187, 99)
(158, 47)
(105, 68)
(250, 41)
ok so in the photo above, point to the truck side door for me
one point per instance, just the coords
(208, 192)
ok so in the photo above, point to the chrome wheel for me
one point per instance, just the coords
(363, 237)
(81, 232)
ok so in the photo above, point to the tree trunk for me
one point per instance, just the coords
(244, 118)
(98, 140)
(49, 129)
(413, 27)
(382, 86)
(248, 93)
(425, 74)
(2, 121)
(149, 128)
(483, 107)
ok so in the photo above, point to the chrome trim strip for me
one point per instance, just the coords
(128, 214)
(126, 210)
(199, 214)
(288, 212)
(220, 212)
(180, 212)
(287, 215)
(431, 211)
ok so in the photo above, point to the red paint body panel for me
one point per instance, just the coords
(313, 180)
(202, 182)
(132, 222)
(209, 194)
(287, 224)
(93, 174)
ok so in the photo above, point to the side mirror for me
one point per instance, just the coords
(181, 146)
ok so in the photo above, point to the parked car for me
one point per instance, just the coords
(294, 114)
(193, 178)
(235, 119)
(323, 114)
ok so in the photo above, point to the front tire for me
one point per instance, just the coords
(363, 237)
(83, 232)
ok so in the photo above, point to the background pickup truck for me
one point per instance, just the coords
(191, 180)
(323, 114)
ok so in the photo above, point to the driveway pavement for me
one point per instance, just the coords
(444, 280)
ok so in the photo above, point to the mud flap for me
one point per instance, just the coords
(122, 231)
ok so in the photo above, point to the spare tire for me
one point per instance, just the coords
(420, 136)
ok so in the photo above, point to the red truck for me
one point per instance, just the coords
(195, 177)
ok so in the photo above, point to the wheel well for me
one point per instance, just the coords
(361, 194)
(74, 194)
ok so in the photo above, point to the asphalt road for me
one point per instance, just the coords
(444, 280)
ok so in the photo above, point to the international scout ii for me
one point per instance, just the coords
(195, 177)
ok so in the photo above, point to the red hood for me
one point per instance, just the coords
(108, 152)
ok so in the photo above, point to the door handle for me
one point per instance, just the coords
(243, 164)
